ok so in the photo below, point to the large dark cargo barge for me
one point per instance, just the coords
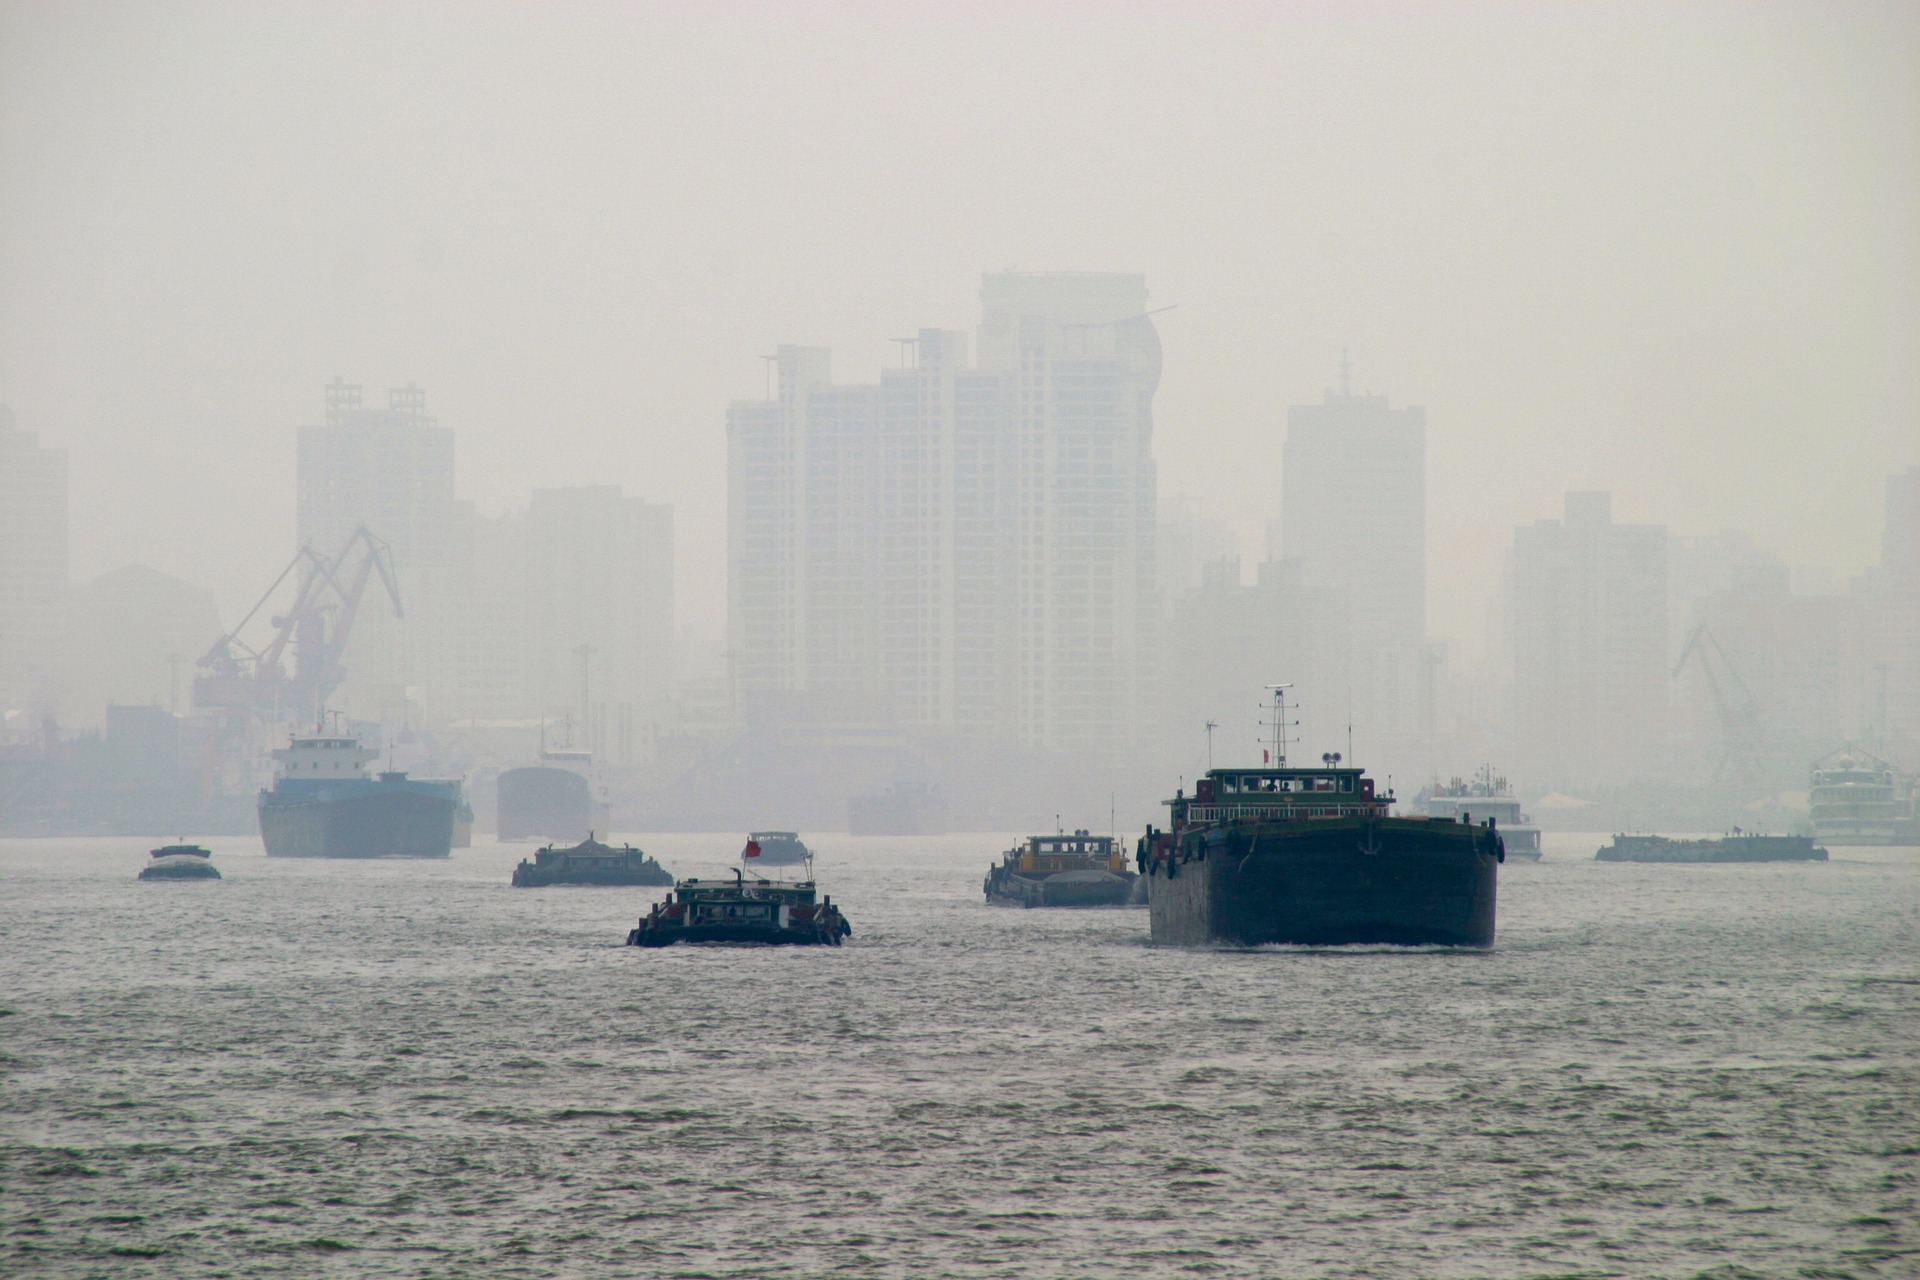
(1311, 857)
(324, 806)
(1738, 847)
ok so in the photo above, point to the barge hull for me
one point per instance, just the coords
(1330, 882)
(735, 934)
(396, 823)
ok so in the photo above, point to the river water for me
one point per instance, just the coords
(407, 1069)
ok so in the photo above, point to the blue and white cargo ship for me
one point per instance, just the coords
(323, 805)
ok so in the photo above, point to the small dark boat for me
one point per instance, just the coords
(1078, 870)
(589, 862)
(180, 862)
(740, 910)
(1741, 846)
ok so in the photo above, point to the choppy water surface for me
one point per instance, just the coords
(394, 1069)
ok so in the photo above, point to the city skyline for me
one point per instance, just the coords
(1670, 257)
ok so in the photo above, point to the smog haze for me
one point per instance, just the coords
(1667, 251)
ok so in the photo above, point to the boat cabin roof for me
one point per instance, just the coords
(1078, 842)
(1230, 781)
(736, 890)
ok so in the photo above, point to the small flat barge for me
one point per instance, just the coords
(1078, 870)
(180, 862)
(743, 910)
(1739, 847)
(589, 863)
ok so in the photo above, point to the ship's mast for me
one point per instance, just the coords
(1280, 724)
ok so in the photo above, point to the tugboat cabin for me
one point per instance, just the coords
(769, 903)
(1076, 852)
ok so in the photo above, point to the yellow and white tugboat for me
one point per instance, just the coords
(1078, 870)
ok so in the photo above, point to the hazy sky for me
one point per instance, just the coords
(1666, 249)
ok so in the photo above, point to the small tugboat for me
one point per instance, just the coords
(180, 862)
(589, 862)
(1078, 870)
(777, 848)
(1740, 846)
(1310, 857)
(1483, 796)
(771, 912)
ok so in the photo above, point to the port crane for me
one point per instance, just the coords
(237, 677)
(1733, 703)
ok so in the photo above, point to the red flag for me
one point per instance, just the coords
(752, 850)
(1265, 758)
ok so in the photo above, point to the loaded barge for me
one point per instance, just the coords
(1741, 846)
(590, 863)
(1078, 870)
(1311, 856)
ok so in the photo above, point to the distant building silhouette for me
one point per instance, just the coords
(1586, 605)
(1353, 508)
(1888, 596)
(964, 547)
(599, 575)
(33, 573)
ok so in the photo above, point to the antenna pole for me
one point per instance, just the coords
(1280, 723)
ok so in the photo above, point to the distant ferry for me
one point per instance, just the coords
(180, 862)
(1078, 870)
(775, 849)
(1311, 856)
(1486, 796)
(1853, 799)
(323, 805)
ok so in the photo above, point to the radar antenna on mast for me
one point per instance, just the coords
(1279, 726)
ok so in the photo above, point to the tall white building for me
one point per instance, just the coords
(1353, 493)
(964, 546)
(1888, 679)
(390, 470)
(1586, 625)
(33, 570)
